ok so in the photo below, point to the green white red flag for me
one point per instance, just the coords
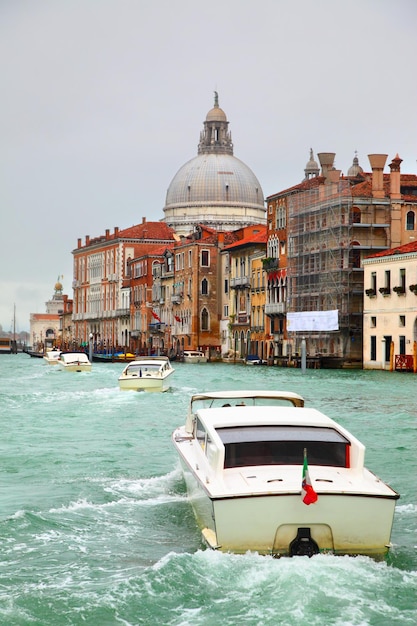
(308, 494)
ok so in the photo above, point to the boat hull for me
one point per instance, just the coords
(194, 357)
(52, 357)
(143, 383)
(343, 524)
(75, 367)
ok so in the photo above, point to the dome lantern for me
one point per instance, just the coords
(311, 169)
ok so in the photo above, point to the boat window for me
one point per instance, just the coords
(200, 434)
(275, 445)
(210, 450)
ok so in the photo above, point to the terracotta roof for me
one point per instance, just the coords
(148, 230)
(251, 238)
(150, 249)
(305, 185)
(405, 249)
(361, 188)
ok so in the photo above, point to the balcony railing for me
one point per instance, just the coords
(157, 327)
(275, 308)
(176, 298)
(269, 264)
(240, 281)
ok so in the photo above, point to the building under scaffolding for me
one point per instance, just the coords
(329, 230)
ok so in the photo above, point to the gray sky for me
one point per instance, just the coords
(104, 100)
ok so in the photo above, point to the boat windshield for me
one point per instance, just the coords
(136, 369)
(283, 445)
(211, 403)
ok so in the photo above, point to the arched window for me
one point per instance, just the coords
(354, 255)
(204, 287)
(411, 221)
(356, 215)
(204, 319)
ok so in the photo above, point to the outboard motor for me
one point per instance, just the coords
(303, 544)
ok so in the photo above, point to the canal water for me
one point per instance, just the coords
(96, 529)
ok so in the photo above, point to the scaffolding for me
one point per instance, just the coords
(324, 270)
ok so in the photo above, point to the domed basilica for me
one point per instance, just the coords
(214, 188)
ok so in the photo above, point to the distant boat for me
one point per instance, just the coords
(148, 373)
(52, 356)
(74, 362)
(115, 357)
(194, 356)
(8, 345)
(5, 345)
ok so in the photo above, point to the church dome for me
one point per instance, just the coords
(215, 187)
(355, 168)
(216, 114)
(214, 179)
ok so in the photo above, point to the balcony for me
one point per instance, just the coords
(275, 308)
(123, 312)
(240, 318)
(156, 328)
(91, 315)
(270, 264)
(240, 282)
(176, 298)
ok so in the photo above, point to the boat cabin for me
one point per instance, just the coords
(231, 437)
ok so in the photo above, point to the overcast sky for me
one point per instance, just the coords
(104, 100)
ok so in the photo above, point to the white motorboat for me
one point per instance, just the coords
(194, 356)
(266, 474)
(52, 356)
(74, 362)
(148, 373)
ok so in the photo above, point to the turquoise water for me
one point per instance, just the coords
(96, 529)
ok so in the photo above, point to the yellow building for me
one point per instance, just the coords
(390, 309)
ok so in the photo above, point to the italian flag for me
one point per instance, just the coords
(308, 494)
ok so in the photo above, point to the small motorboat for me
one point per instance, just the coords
(74, 362)
(254, 359)
(51, 357)
(194, 356)
(148, 373)
(266, 474)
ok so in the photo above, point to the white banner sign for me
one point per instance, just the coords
(313, 321)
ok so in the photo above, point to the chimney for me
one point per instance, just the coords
(333, 176)
(377, 162)
(395, 178)
(326, 161)
(87, 240)
(116, 231)
(79, 243)
(143, 220)
(107, 233)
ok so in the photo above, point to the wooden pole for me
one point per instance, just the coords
(391, 357)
